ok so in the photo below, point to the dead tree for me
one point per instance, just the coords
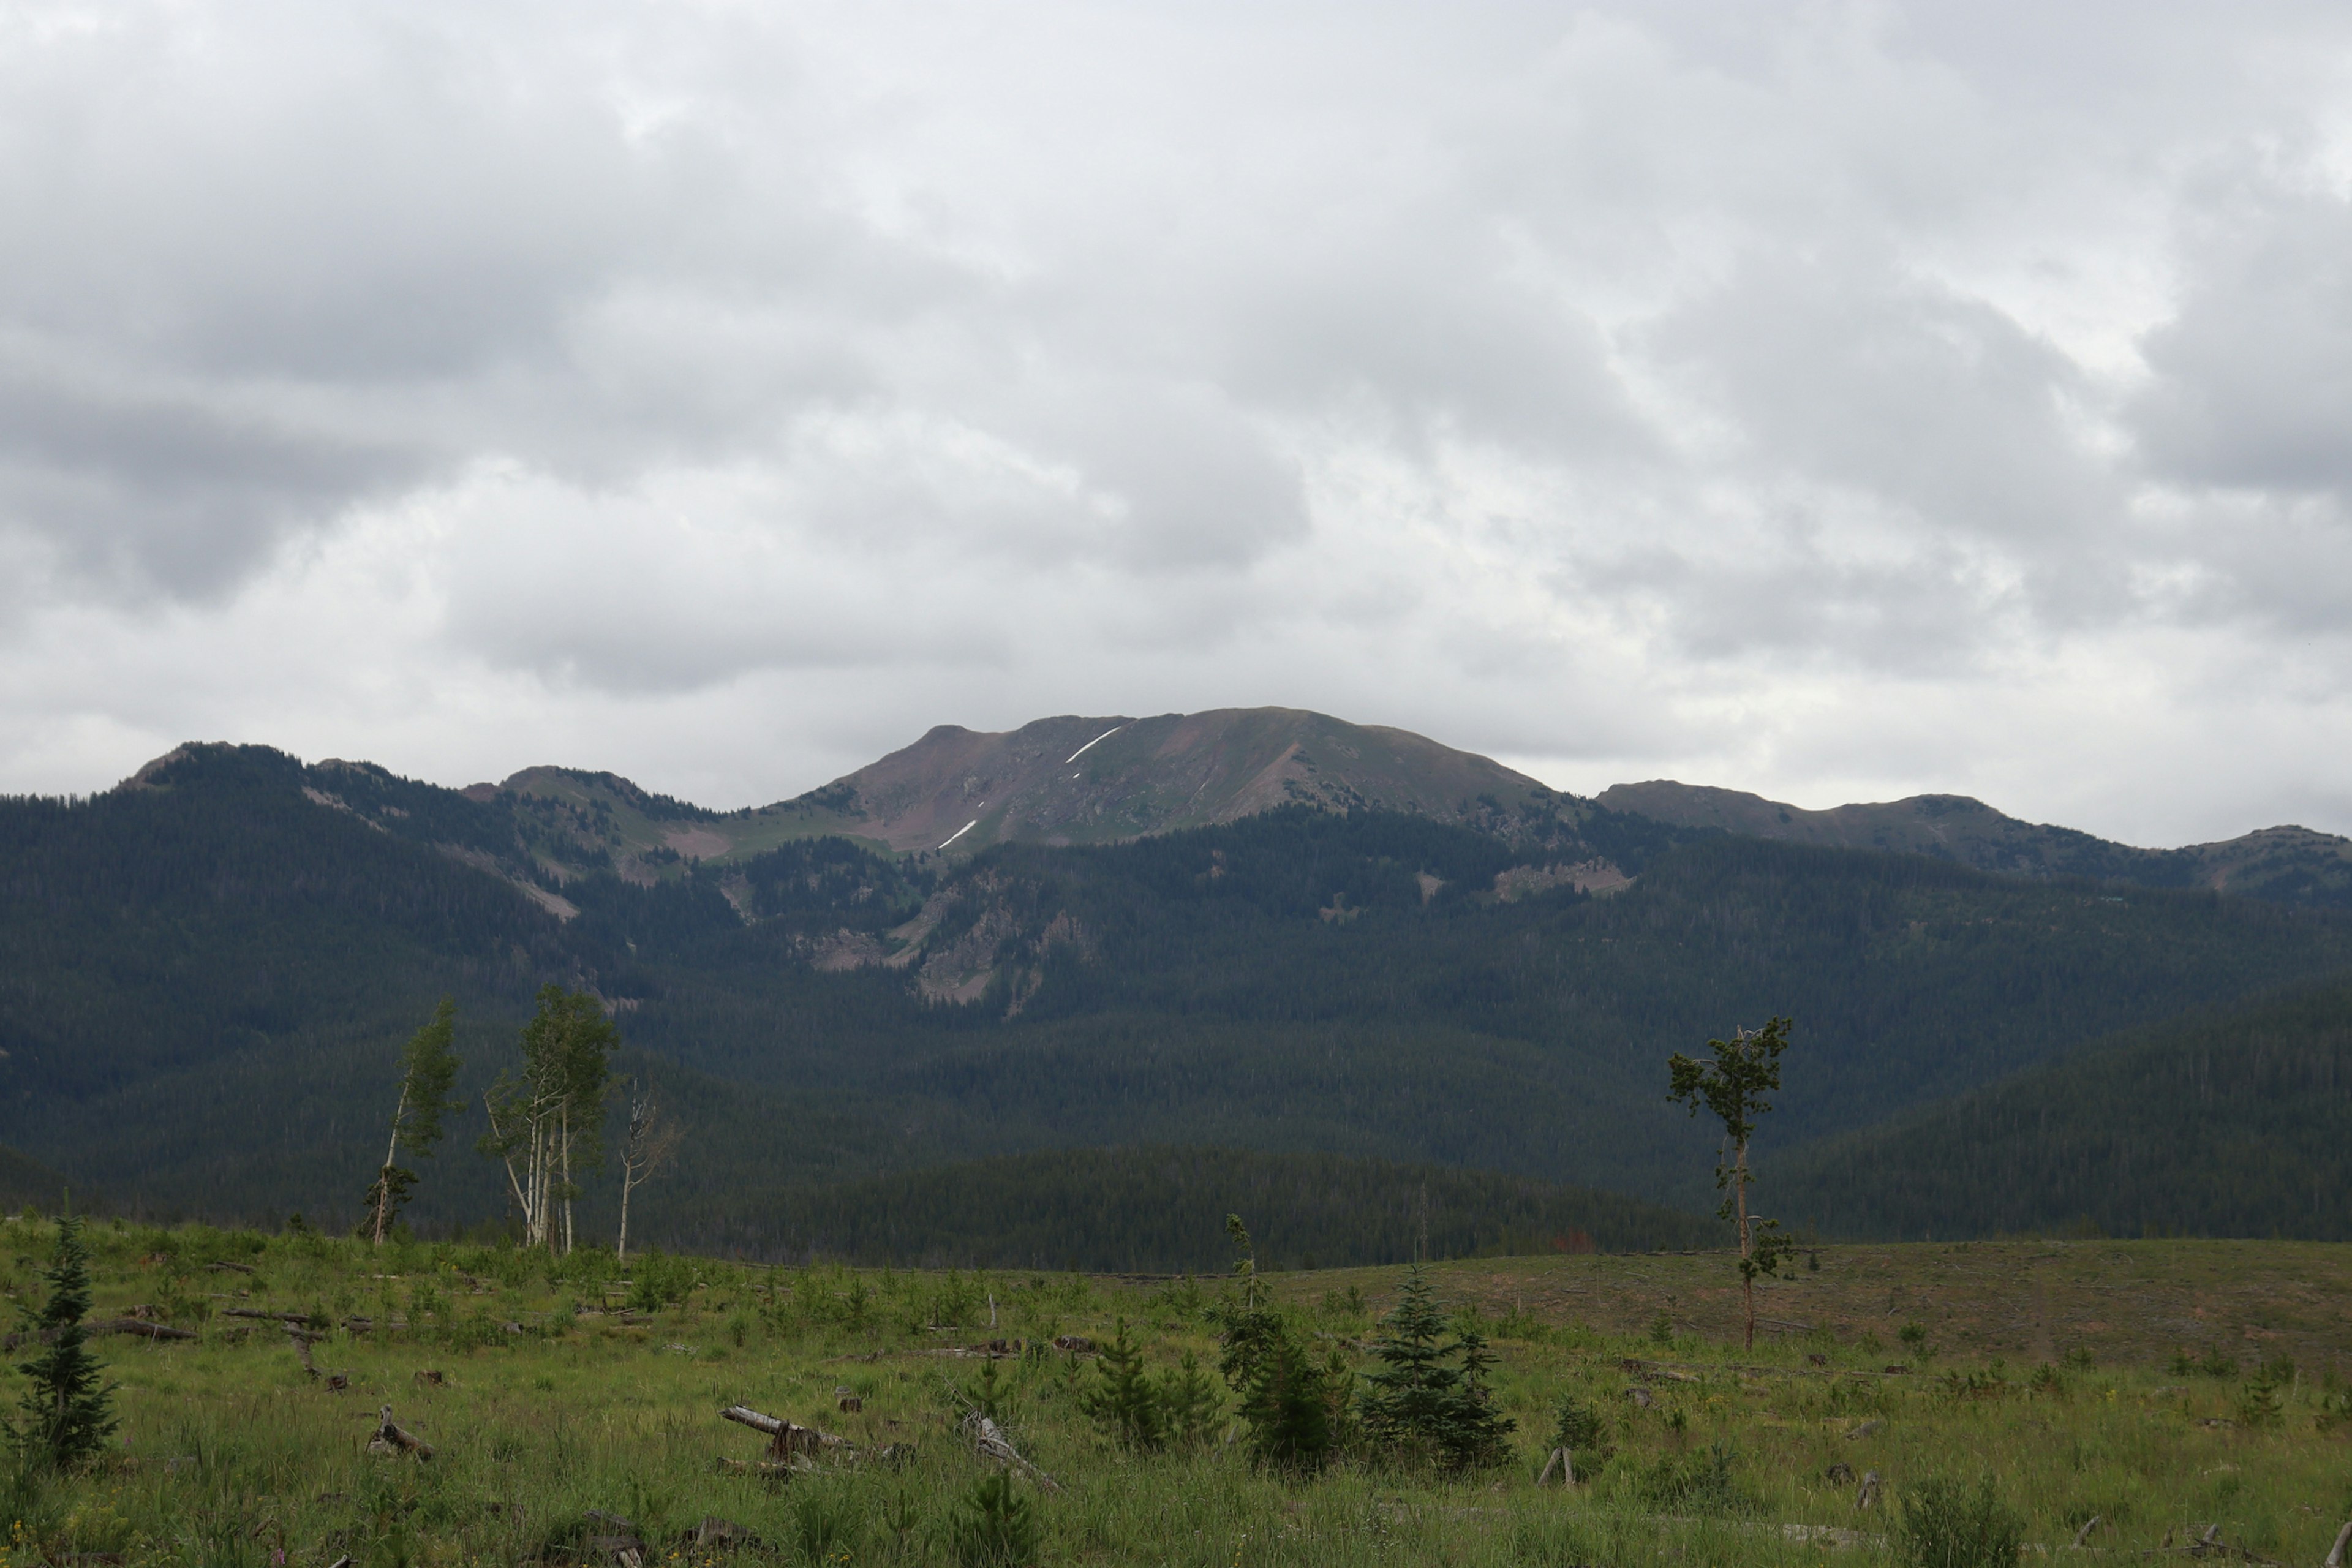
(390, 1439)
(785, 1438)
(988, 1440)
(653, 1139)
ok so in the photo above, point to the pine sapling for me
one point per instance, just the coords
(1125, 1401)
(1189, 1403)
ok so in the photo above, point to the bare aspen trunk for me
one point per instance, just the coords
(542, 1156)
(1747, 1276)
(383, 1181)
(621, 1253)
(567, 1180)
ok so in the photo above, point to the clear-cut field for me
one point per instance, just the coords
(2116, 1379)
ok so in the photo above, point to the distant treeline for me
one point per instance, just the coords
(2239, 1124)
(1162, 1210)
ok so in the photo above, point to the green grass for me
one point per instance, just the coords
(229, 1453)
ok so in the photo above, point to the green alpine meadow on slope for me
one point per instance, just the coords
(316, 1399)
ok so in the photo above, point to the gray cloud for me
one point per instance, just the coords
(2252, 380)
(1673, 386)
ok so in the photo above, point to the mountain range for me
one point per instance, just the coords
(1266, 932)
(1102, 779)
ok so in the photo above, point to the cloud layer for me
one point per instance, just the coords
(1838, 400)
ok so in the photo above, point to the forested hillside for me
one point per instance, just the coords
(2232, 1124)
(204, 979)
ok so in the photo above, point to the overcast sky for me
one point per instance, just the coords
(1834, 401)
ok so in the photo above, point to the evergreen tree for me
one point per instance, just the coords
(1746, 1067)
(1126, 1402)
(1477, 1433)
(67, 1414)
(1411, 1397)
(1290, 1402)
(1430, 1398)
(1189, 1403)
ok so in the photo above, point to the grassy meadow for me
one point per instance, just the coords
(2164, 1387)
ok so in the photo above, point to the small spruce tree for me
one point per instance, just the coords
(1430, 1398)
(1478, 1434)
(1410, 1398)
(68, 1413)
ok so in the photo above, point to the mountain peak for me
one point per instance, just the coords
(1099, 778)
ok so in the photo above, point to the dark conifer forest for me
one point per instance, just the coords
(206, 978)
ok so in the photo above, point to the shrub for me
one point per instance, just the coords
(1578, 1428)
(824, 1522)
(1696, 1483)
(1944, 1525)
(2260, 1402)
(657, 1280)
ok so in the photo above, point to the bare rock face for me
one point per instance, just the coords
(1080, 779)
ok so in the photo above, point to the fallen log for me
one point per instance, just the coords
(231, 1267)
(301, 1318)
(142, 1328)
(390, 1439)
(990, 1440)
(90, 1331)
(2336, 1553)
(303, 1339)
(785, 1437)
